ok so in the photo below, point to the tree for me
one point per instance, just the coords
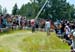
(26, 10)
(15, 10)
(4, 11)
(29, 10)
(55, 9)
(0, 9)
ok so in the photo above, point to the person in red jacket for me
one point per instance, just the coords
(33, 25)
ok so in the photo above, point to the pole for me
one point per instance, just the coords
(41, 9)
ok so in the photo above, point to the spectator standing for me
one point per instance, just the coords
(72, 37)
(67, 32)
(33, 25)
(4, 22)
(47, 27)
(0, 21)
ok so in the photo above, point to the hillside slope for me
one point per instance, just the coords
(32, 42)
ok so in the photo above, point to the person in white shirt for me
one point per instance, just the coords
(47, 27)
(67, 30)
(67, 33)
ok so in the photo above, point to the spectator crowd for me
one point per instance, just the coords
(66, 30)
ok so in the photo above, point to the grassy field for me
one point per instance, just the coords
(26, 41)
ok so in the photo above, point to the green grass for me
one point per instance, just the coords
(7, 32)
(39, 42)
(11, 31)
(4, 49)
(25, 41)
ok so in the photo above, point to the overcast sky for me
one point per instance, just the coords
(8, 4)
